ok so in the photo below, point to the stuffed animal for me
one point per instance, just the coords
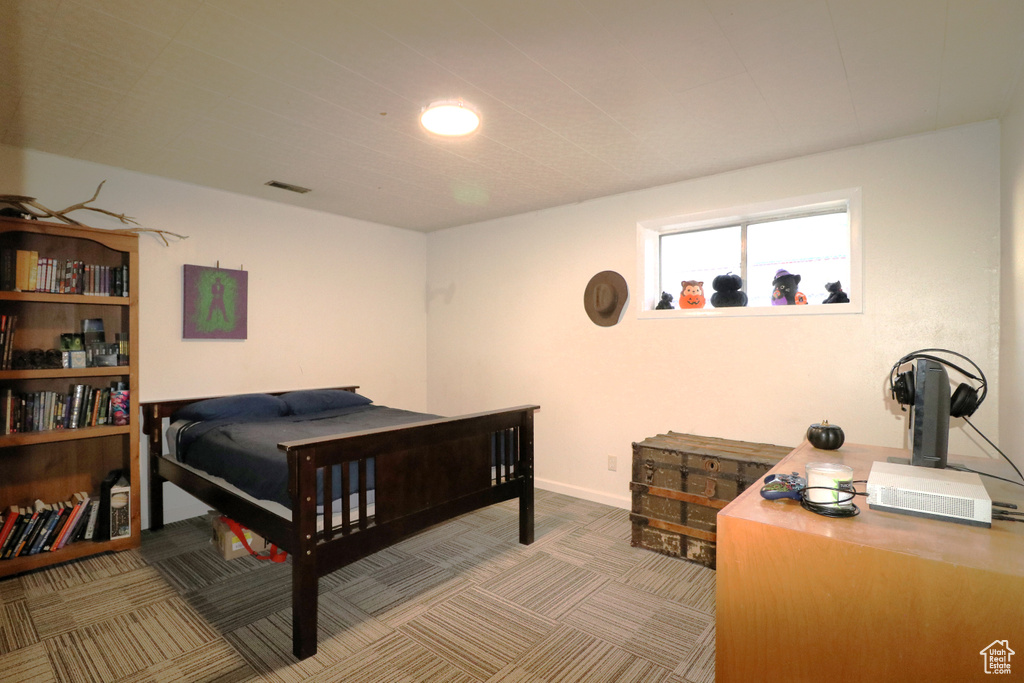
(692, 295)
(836, 295)
(727, 291)
(665, 303)
(785, 292)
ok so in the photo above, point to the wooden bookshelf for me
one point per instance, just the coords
(52, 465)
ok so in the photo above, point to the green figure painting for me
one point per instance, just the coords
(216, 303)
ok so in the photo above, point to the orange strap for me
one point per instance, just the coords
(275, 555)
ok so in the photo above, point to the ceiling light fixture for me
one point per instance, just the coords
(450, 118)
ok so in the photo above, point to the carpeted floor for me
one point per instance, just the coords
(460, 603)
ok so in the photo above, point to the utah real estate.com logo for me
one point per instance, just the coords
(997, 657)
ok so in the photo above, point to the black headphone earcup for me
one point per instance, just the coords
(903, 388)
(964, 401)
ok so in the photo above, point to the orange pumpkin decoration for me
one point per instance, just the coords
(692, 295)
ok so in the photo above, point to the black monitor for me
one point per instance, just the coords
(929, 417)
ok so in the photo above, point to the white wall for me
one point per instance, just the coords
(1011, 436)
(334, 300)
(331, 300)
(506, 323)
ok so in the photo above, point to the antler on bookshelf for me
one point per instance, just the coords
(30, 206)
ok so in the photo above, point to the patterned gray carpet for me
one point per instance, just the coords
(460, 603)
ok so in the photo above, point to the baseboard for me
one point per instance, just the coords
(624, 502)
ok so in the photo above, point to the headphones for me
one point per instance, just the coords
(965, 399)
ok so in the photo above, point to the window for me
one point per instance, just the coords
(816, 238)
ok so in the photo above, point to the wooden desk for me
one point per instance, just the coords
(876, 597)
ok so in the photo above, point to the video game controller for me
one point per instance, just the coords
(783, 486)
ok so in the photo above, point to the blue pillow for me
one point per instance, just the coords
(243, 406)
(320, 400)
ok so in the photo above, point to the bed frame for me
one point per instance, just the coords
(426, 473)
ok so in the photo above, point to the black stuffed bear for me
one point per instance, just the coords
(727, 291)
(665, 303)
(836, 295)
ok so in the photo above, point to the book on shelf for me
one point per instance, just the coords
(7, 347)
(32, 519)
(10, 520)
(46, 514)
(97, 397)
(33, 271)
(8, 268)
(89, 531)
(77, 531)
(120, 403)
(62, 510)
(87, 397)
(52, 513)
(15, 536)
(71, 507)
(3, 332)
(81, 502)
(15, 533)
(23, 269)
(6, 411)
(77, 393)
(104, 407)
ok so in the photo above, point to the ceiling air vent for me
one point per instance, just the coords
(286, 186)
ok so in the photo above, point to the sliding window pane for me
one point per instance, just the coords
(817, 248)
(698, 255)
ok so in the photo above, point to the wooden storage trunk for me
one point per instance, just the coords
(681, 481)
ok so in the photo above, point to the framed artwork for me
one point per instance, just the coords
(216, 303)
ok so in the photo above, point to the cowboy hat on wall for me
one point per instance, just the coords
(605, 298)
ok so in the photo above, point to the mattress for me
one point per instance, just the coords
(283, 511)
(244, 453)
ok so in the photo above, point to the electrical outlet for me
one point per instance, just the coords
(613, 463)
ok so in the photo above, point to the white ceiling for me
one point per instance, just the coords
(579, 98)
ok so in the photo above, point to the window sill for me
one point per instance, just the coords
(751, 311)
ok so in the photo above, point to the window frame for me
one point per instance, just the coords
(649, 234)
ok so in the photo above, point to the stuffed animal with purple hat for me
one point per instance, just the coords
(786, 290)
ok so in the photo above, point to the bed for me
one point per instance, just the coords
(345, 492)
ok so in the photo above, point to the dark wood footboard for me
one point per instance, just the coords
(425, 473)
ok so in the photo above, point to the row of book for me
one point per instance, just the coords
(47, 527)
(82, 406)
(23, 270)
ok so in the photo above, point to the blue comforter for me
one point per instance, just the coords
(245, 452)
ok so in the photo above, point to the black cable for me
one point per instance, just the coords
(960, 468)
(997, 451)
(836, 509)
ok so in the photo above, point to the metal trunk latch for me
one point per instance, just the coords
(649, 469)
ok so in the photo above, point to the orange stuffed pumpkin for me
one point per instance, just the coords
(692, 295)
